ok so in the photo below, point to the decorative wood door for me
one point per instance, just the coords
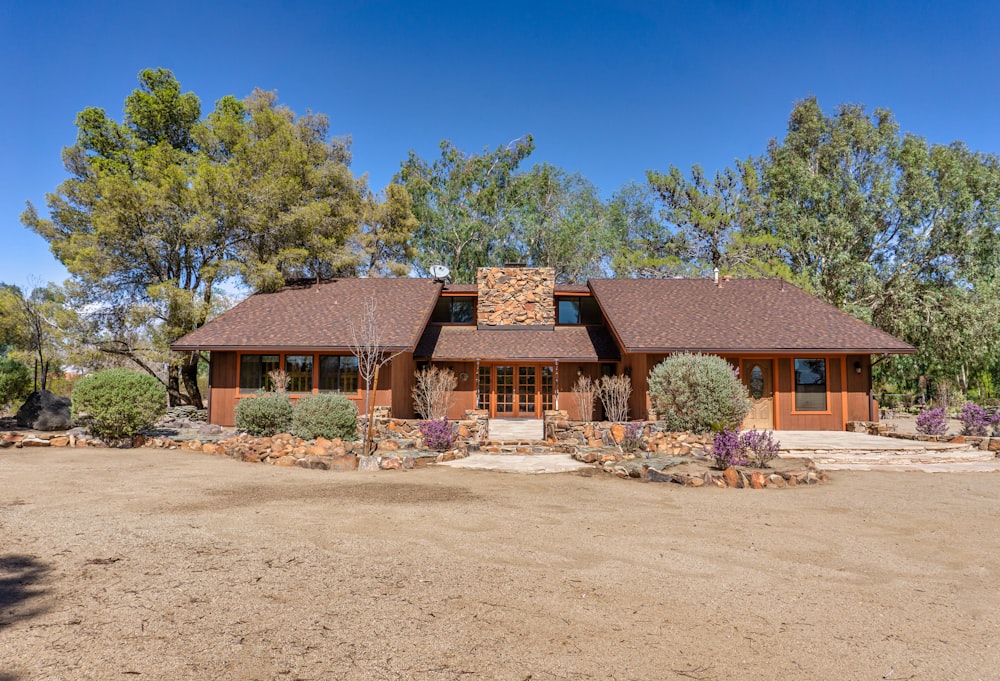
(518, 390)
(758, 379)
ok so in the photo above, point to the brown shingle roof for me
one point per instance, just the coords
(745, 315)
(565, 343)
(317, 316)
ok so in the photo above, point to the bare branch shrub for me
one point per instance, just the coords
(280, 380)
(433, 391)
(614, 392)
(585, 394)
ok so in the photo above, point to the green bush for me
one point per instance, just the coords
(15, 381)
(119, 403)
(265, 414)
(697, 393)
(328, 416)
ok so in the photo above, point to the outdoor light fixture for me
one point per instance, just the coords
(463, 377)
(857, 367)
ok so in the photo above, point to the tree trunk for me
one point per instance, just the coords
(174, 385)
(189, 374)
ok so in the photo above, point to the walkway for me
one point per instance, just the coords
(835, 450)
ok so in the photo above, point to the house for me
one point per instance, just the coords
(517, 342)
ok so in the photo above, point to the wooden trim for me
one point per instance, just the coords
(843, 392)
(774, 389)
(826, 373)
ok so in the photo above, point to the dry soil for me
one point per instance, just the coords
(164, 565)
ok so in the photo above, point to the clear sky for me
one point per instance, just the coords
(609, 89)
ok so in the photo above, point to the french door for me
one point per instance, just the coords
(516, 390)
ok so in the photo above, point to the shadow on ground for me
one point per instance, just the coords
(21, 580)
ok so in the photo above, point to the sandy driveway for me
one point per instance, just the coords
(165, 565)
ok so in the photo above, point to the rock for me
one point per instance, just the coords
(285, 461)
(653, 475)
(368, 463)
(60, 441)
(390, 463)
(316, 450)
(775, 480)
(323, 442)
(694, 481)
(388, 445)
(346, 462)
(34, 442)
(210, 448)
(994, 445)
(617, 432)
(316, 462)
(732, 477)
(757, 480)
(45, 411)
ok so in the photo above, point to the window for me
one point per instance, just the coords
(810, 385)
(578, 310)
(338, 373)
(300, 373)
(254, 370)
(454, 310)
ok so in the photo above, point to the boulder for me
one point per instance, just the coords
(44, 410)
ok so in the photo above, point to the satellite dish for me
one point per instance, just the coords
(439, 271)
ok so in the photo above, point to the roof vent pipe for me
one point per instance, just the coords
(716, 273)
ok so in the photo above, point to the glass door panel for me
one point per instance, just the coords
(505, 390)
(526, 390)
(548, 389)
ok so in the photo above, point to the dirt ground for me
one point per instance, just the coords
(165, 565)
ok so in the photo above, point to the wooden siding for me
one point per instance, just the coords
(222, 388)
(789, 419)
(858, 388)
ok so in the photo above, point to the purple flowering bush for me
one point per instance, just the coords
(727, 450)
(438, 434)
(932, 422)
(974, 419)
(751, 447)
(632, 440)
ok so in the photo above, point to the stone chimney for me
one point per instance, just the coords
(515, 296)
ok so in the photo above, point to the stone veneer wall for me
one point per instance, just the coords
(516, 296)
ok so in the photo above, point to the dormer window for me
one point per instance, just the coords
(578, 310)
(455, 310)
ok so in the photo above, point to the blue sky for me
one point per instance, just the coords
(609, 89)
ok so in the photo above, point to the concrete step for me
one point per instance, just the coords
(916, 455)
(517, 430)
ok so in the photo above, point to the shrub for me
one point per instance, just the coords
(974, 419)
(698, 393)
(614, 392)
(932, 422)
(750, 447)
(119, 403)
(584, 392)
(433, 389)
(264, 414)
(15, 381)
(632, 440)
(328, 416)
(438, 434)
(759, 446)
(727, 450)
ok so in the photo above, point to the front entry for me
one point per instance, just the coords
(516, 390)
(757, 377)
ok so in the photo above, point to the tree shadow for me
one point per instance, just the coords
(21, 580)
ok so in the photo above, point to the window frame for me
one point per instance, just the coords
(828, 409)
(314, 389)
(578, 299)
(451, 310)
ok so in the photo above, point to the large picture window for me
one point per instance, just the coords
(300, 373)
(255, 370)
(810, 385)
(338, 373)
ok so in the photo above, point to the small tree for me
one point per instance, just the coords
(585, 395)
(433, 391)
(119, 403)
(698, 393)
(614, 392)
(367, 345)
(15, 382)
